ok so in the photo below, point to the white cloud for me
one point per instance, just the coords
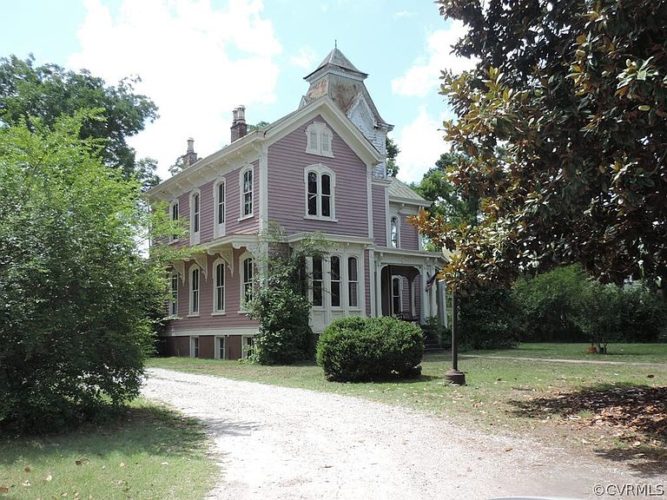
(423, 76)
(196, 61)
(421, 143)
(403, 14)
(305, 58)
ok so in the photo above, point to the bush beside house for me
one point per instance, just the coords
(357, 349)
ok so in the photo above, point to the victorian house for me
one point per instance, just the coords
(319, 169)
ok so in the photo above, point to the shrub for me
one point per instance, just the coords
(548, 303)
(74, 289)
(356, 349)
(488, 320)
(599, 315)
(643, 314)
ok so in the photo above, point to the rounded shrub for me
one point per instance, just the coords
(356, 349)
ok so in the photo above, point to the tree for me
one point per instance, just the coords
(576, 94)
(448, 200)
(74, 288)
(49, 91)
(392, 153)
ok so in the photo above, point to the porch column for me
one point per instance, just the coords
(411, 295)
(432, 296)
(444, 303)
(378, 289)
(424, 296)
(442, 310)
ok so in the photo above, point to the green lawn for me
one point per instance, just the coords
(635, 353)
(495, 386)
(152, 452)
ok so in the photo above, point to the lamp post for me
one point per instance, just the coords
(454, 376)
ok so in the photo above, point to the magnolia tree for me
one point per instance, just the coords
(561, 134)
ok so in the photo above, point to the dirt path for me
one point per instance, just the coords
(282, 443)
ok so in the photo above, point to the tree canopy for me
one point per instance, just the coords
(74, 288)
(49, 91)
(575, 93)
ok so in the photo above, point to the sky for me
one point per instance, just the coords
(199, 59)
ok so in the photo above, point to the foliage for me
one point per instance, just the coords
(488, 320)
(576, 93)
(356, 349)
(258, 126)
(548, 304)
(392, 153)
(49, 91)
(457, 207)
(566, 305)
(74, 289)
(643, 314)
(281, 304)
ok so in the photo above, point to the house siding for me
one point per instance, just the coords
(369, 283)
(379, 215)
(206, 321)
(409, 234)
(287, 160)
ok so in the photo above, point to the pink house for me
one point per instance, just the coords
(320, 168)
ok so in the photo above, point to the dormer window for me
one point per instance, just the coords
(320, 184)
(319, 138)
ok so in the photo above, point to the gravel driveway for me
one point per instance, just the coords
(282, 443)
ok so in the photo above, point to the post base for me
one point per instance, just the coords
(455, 377)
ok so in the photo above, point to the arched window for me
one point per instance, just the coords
(173, 214)
(173, 302)
(195, 275)
(335, 281)
(247, 273)
(219, 287)
(195, 212)
(246, 180)
(319, 139)
(320, 192)
(219, 211)
(396, 295)
(394, 231)
(318, 276)
(352, 282)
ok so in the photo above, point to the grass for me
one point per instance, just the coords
(495, 392)
(150, 453)
(634, 353)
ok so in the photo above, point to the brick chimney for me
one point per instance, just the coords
(190, 156)
(239, 127)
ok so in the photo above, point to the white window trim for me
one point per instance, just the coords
(191, 313)
(216, 346)
(244, 349)
(214, 275)
(219, 229)
(242, 172)
(173, 203)
(347, 283)
(322, 131)
(172, 275)
(320, 169)
(192, 346)
(242, 258)
(195, 236)
(398, 230)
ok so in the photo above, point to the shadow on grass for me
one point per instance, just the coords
(152, 430)
(639, 410)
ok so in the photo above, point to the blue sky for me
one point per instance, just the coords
(199, 59)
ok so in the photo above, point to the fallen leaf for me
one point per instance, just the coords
(4, 489)
(508, 449)
(78, 462)
(122, 464)
(26, 483)
(164, 463)
(48, 478)
(27, 468)
(650, 376)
